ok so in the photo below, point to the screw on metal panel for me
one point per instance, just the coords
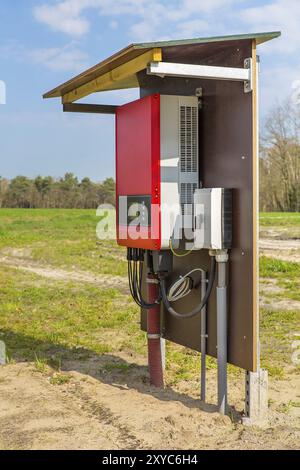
(199, 92)
(247, 63)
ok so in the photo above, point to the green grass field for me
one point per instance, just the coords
(283, 225)
(63, 238)
(274, 219)
(49, 320)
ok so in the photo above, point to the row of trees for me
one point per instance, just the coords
(47, 192)
(280, 159)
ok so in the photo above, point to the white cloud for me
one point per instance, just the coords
(46, 118)
(64, 16)
(283, 65)
(277, 82)
(11, 50)
(194, 6)
(279, 15)
(113, 24)
(69, 58)
(180, 19)
(192, 28)
(154, 19)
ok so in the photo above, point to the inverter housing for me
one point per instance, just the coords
(157, 170)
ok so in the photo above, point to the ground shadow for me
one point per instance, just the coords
(110, 369)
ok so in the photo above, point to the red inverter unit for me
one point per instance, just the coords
(156, 168)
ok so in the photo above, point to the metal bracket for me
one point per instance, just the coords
(199, 92)
(152, 281)
(153, 336)
(170, 69)
(248, 86)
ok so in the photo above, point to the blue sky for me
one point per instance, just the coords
(45, 42)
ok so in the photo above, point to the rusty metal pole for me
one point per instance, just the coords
(154, 334)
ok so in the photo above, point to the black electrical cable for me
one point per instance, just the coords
(203, 302)
(135, 277)
(130, 279)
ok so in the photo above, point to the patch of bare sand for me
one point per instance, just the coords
(103, 281)
(119, 410)
(286, 250)
(269, 288)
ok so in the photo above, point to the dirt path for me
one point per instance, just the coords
(20, 258)
(286, 250)
(104, 281)
(87, 413)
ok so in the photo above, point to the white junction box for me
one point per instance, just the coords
(213, 218)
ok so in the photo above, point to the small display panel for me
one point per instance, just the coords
(135, 210)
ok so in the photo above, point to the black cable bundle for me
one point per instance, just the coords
(135, 259)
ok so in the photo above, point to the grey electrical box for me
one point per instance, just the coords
(213, 218)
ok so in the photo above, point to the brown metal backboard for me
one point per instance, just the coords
(227, 158)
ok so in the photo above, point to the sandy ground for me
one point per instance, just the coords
(98, 409)
(13, 259)
(120, 411)
(287, 250)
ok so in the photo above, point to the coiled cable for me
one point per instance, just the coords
(203, 302)
(182, 286)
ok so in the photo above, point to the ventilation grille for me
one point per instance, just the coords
(188, 155)
(188, 138)
(187, 194)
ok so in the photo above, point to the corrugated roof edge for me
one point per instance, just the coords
(260, 37)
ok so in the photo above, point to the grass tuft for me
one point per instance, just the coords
(60, 379)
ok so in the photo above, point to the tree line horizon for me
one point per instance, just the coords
(47, 192)
(279, 166)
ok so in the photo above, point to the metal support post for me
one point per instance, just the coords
(256, 401)
(203, 339)
(2, 353)
(163, 353)
(222, 258)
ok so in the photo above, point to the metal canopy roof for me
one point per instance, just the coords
(120, 70)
